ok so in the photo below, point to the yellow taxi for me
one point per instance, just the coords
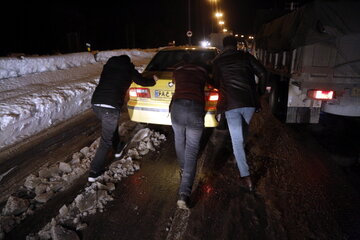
(151, 104)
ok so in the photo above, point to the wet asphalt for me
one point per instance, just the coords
(300, 192)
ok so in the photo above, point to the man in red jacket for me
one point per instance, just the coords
(187, 118)
(107, 100)
(234, 76)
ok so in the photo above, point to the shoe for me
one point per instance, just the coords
(120, 150)
(248, 183)
(183, 202)
(181, 171)
(93, 176)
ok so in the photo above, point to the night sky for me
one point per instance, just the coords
(49, 27)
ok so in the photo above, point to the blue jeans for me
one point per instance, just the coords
(187, 119)
(238, 120)
(109, 136)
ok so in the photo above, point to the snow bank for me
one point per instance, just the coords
(27, 115)
(50, 89)
(15, 67)
(135, 54)
(139, 57)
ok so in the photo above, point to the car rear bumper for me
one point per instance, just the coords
(160, 115)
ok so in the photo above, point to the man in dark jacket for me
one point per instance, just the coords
(234, 76)
(107, 100)
(187, 118)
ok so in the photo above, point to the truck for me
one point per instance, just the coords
(217, 38)
(313, 58)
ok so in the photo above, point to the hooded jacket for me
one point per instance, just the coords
(116, 77)
(234, 75)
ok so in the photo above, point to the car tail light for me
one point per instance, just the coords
(213, 96)
(320, 94)
(139, 92)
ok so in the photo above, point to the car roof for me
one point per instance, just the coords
(187, 48)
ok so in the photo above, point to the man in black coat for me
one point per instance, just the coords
(107, 100)
(234, 76)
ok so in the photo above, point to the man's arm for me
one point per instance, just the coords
(216, 76)
(260, 72)
(139, 79)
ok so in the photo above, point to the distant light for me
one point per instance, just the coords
(242, 35)
(205, 43)
(88, 47)
(236, 35)
(251, 37)
(221, 22)
(225, 30)
(218, 14)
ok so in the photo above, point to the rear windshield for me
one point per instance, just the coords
(169, 60)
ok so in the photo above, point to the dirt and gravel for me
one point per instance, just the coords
(301, 193)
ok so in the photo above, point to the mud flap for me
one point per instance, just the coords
(300, 108)
(303, 115)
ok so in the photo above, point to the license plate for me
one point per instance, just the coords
(163, 94)
(355, 92)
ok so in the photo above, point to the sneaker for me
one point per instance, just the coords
(183, 202)
(248, 183)
(93, 176)
(120, 150)
(181, 171)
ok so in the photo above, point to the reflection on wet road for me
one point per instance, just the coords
(144, 203)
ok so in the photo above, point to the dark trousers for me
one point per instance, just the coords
(109, 136)
(187, 119)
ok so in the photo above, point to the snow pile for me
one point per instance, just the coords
(30, 104)
(41, 187)
(135, 54)
(34, 102)
(15, 67)
(95, 197)
(138, 57)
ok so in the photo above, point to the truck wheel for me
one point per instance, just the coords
(278, 99)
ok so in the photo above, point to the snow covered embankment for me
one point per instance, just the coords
(15, 67)
(42, 186)
(38, 92)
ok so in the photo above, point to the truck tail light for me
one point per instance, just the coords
(139, 92)
(320, 94)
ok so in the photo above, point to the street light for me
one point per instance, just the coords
(214, 7)
(221, 22)
(189, 33)
(218, 14)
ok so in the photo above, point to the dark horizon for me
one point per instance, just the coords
(49, 28)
